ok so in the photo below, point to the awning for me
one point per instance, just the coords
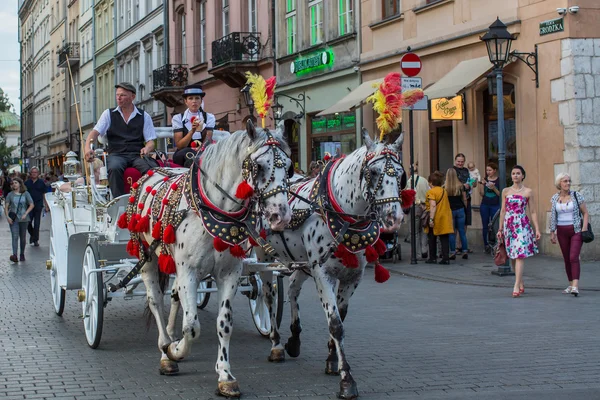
(459, 78)
(352, 99)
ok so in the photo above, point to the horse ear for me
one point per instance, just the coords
(397, 145)
(250, 129)
(367, 140)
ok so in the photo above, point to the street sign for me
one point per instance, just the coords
(410, 64)
(410, 84)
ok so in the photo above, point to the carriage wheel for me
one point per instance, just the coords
(203, 297)
(260, 310)
(93, 304)
(58, 293)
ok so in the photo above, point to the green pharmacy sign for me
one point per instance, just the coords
(311, 63)
(552, 26)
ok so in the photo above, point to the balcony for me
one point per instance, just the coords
(168, 83)
(233, 55)
(69, 52)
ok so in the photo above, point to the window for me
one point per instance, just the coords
(136, 11)
(290, 26)
(148, 62)
(225, 17)
(252, 16)
(148, 6)
(183, 43)
(135, 79)
(346, 16)
(315, 9)
(202, 23)
(390, 8)
(127, 14)
(107, 31)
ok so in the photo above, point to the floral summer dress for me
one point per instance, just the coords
(519, 237)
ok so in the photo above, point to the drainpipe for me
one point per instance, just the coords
(166, 55)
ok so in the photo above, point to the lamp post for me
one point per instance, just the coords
(300, 102)
(248, 99)
(498, 42)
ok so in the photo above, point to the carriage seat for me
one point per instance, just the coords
(133, 175)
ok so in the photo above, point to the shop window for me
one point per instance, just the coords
(490, 110)
(334, 134)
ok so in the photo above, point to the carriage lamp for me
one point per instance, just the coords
(71, 167)
(248, 99)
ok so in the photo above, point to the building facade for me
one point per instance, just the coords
(85, 97)
(104, 56)
(26, 30)
(550, 128)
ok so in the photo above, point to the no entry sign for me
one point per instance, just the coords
(410, 64)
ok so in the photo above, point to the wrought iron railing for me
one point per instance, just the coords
(170, 75)
(71, 50)
(235, 47)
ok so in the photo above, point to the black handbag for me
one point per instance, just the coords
(13, 215)
(586, 236)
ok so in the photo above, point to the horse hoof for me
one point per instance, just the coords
(348, 390)
(168, 367)
(167, 350)
(277, 355)
(331, 368)
(293, 346)
(229, 389)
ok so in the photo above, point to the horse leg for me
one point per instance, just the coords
(173, 311)
(345, 291)
(269, 292)
(325, 288)
(154, 295)
(227, 284)
(293, 344)
(187, 287)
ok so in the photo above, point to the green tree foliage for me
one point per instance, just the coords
(5, 104)
(6, 158)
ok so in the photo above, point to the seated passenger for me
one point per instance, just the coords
(191, 125)
(130, 136)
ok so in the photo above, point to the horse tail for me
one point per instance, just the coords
(163, 281)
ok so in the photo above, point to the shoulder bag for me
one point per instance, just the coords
(586, 236)
(426, 214)
(14, 215)
(500, 255)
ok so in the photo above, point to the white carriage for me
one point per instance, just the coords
(88, 254)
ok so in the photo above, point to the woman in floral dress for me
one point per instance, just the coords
(515, 226)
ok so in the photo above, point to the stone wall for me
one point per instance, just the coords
(577, 93)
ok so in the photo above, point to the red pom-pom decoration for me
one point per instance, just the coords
(193, 119)
(143, 225)
(141, 206)
(174, 186)
(133, 223)
(252, 241)
(153, 192)
(166, 178)
(133, 248)
(166, 264)
(156, 231)
(122, 222)
(165, 201)
(148, 189)
(244, 191)
(194, 144)
(348, 259)
(169, 234)
(220, 245)
(408, 197)
(150, 172)
(132, 199)
(371, 254)
(381, 274)
(237, 251)
(135, 185)
(380, 247)
(327, 157)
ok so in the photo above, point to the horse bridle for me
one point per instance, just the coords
(389, 169)
(250, 170)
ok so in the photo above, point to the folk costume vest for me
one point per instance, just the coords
(125, 137)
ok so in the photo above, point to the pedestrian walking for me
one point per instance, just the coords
(440, 218)
(515, 227)
(17, 207)
(464, 177)
(130, 134)
(457, 197)
(37, 189)
(490, 201)
(194, 124)
(568, 218)
(421, 188)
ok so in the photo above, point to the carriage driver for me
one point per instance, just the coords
(127, 129)
(185, 131)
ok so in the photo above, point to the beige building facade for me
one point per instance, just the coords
(549, 129)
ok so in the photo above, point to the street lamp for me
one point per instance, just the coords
(300, 103)
(248, 98)
(277, 112)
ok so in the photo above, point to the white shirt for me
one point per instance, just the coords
(177, 122)
(565, 213)
(104, 123)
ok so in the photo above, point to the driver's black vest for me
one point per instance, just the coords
(123, 137)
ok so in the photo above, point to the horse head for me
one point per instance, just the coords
(381, 175)
(266, 169)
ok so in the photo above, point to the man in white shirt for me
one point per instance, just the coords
(421, 187)
(130, 135)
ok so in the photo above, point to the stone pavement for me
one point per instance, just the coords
(405, 339)
(541, 272)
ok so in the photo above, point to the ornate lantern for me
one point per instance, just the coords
(71, 167)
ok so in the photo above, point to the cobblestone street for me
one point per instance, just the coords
(406, 339)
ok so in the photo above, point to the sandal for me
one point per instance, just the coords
(575, 291)
(567, 290)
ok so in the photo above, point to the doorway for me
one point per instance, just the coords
(441, 146)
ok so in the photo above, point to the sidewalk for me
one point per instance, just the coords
(541, 272)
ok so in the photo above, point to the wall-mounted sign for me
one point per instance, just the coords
(333, 123)
(313, 62)
(446, 109)
(552, 26)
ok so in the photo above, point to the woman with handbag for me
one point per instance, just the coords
(457, 197)
(440, 218)
(17, 207)
(515, 228)
(569, 219)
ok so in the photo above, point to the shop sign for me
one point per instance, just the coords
(311, 63)
(447, 109)
(552, 26)
(333, 123)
